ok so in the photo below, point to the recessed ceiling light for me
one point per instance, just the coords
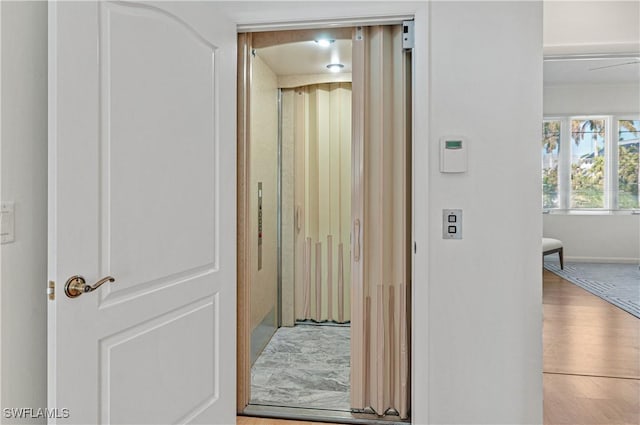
(325, 42)
(335, 67)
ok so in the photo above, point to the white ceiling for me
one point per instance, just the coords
(621, 70)
(306, 57)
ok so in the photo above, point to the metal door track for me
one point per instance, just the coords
(320, 415)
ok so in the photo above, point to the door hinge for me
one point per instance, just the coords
(51, 290)
(359, 36)
(408, 38)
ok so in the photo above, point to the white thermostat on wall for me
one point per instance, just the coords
(453, 154)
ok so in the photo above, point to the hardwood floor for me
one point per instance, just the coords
(584, 335)
(591, 360)
(574, 399)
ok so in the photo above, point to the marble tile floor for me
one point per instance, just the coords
(304, 366)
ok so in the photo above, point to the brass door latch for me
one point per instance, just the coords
(76, 285)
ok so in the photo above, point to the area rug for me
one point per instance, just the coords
(618, 284)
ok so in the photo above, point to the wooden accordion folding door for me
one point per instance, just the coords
(381, 222)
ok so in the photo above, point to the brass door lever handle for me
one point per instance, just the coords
(76, 285)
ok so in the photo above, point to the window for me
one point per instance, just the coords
(584, 167)
(587, 163)
(628, 163)
(550, 148)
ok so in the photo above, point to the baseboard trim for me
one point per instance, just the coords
(619, 260)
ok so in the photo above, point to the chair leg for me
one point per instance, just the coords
(560, 253)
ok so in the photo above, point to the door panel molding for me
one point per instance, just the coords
(110, 297)
(139, 166)
(190, 349)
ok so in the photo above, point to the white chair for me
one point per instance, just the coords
(551, 246)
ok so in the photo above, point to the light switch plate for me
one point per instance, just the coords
(7, 219)
(452, 224)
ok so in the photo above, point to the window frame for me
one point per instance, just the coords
(616, 124)
(565, 146)
(559, 162)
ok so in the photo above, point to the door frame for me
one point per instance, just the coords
(243, 223)
(419, 289)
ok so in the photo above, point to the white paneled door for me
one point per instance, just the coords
(142, 189)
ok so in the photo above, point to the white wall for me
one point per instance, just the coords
(591, 99)
(24, 170)
(607, 238)
(596, 238)
(485, 315)
(591, 26)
